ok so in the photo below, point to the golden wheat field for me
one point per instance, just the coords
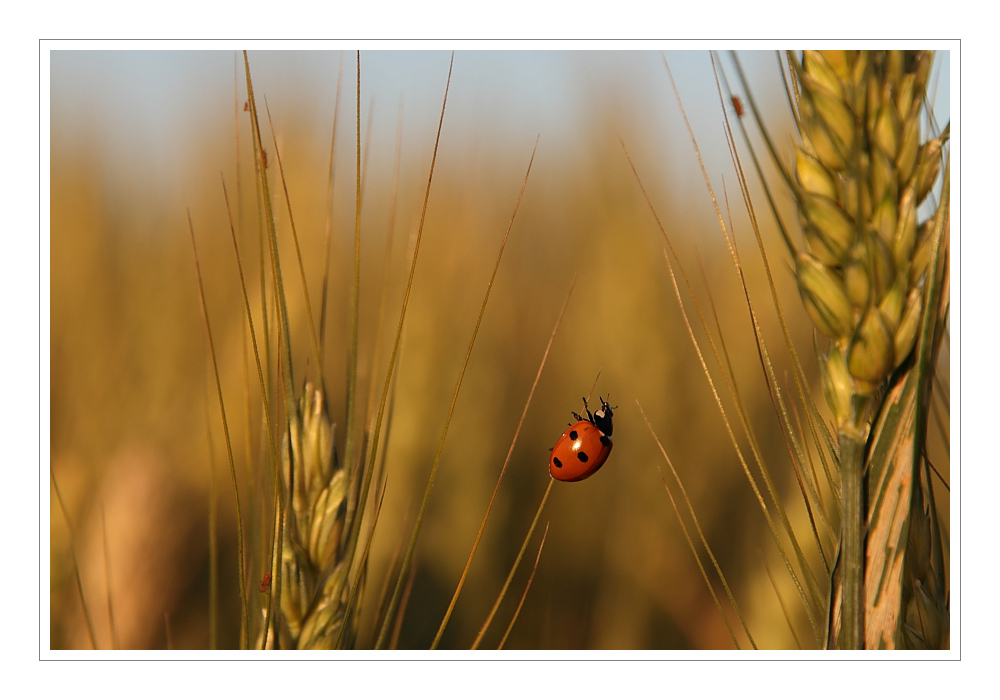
(141, 141)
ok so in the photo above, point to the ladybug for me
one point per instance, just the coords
(584, 448)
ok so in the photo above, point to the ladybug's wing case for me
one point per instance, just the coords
(579, 453)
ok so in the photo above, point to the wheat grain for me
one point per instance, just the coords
(315, 565)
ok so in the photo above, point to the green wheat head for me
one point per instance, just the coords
(871, 276)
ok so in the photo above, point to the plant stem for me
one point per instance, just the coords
(852, 611)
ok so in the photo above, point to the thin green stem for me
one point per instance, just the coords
(852, 538)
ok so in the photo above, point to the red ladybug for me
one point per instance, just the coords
(585, 447)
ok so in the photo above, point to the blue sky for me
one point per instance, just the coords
(145, 114)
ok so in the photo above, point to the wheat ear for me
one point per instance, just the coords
(865, 274)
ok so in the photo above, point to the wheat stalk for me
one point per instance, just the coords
(871, 279)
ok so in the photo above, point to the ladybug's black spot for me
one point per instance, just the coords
(556, 461)
(582, 456)
(605, 440)
(573, 435)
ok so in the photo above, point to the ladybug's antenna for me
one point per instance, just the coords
(591, 394)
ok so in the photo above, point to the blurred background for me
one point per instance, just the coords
(141, 138)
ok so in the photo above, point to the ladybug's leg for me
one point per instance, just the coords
(590, 416)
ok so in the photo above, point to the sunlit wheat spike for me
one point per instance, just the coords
(864, 272)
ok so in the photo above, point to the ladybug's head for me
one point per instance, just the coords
(603, 416)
